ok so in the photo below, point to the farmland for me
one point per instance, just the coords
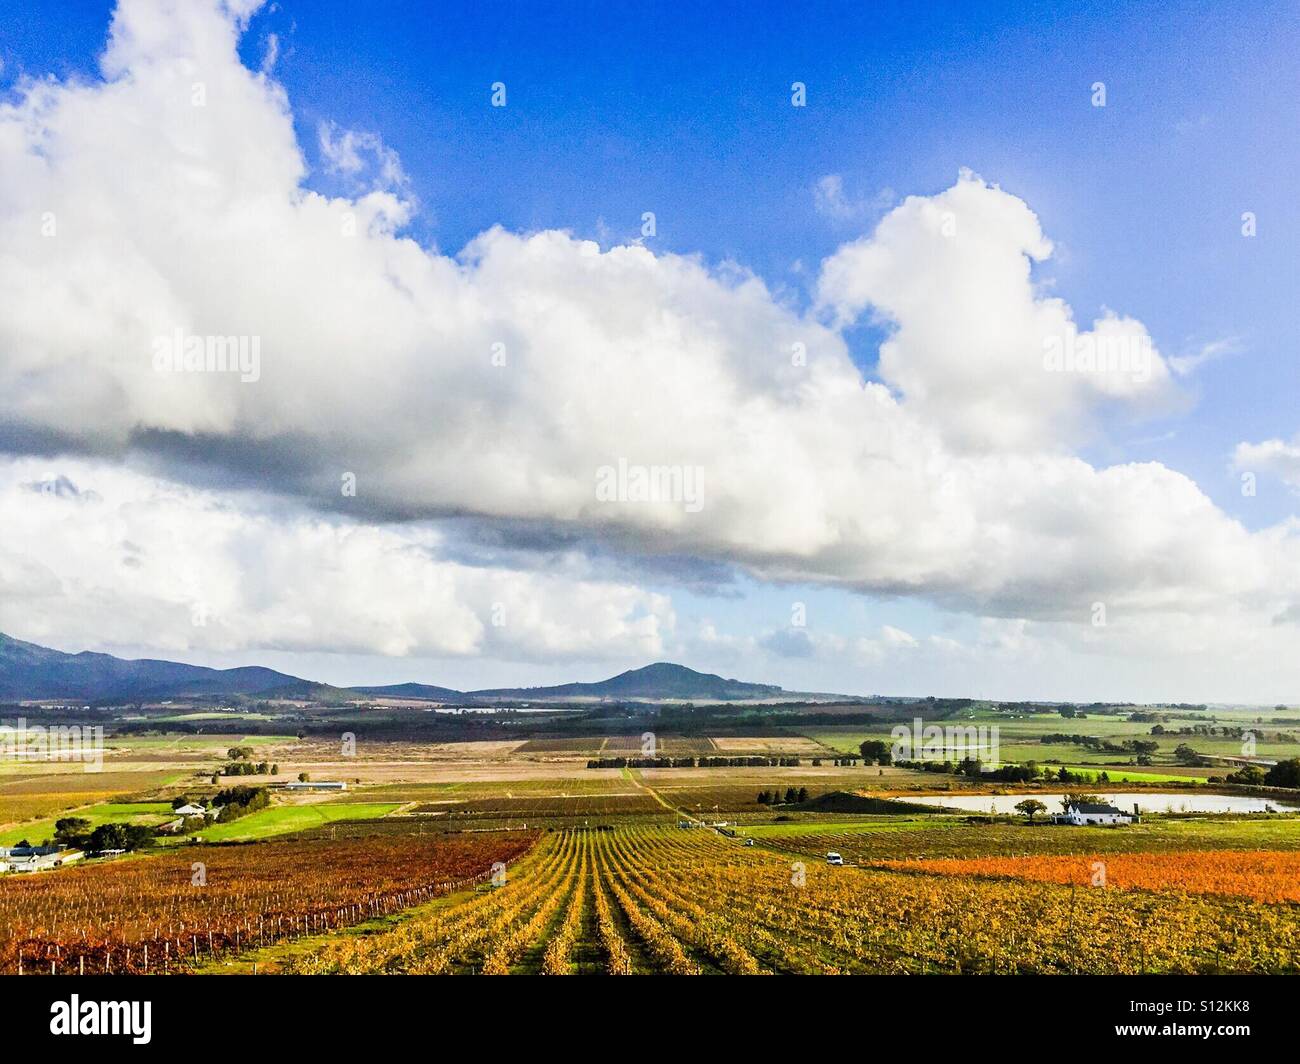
(873, 839)
(29, 797)
(1264, 875)
(1037, 737)
(284, 819)
(160, 912)
(391, 874)
(655, 899)
(148, 813)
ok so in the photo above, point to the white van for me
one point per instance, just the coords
(834, 858)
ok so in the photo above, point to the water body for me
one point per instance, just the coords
(1146, 802)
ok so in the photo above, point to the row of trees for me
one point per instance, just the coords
(1012, 772)
(249, 768)
(792, 796)
(1100, 745)
(693, 762)
(240, 801)
(75, 833)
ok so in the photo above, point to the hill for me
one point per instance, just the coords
(28, 671)
(427, 692)
(662, 680)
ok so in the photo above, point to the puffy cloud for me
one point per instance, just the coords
(95, 556)
(168, 201)
(976, 350)
(1278, 457)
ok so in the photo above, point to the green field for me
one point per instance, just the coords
(37, 831)
(1020, 740)
(283, 819)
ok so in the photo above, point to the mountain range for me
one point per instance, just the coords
(30, 672)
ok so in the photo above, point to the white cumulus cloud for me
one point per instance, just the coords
(170, 197)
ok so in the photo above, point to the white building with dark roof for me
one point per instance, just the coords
(36, 858)
(1081, 813)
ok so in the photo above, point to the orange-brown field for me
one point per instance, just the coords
(156, 913)
(1263, 875)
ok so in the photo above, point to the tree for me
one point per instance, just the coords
(303, 777)
(1080, 798)
(1186, 755)
(1068, 711)
(119, 837)
(71, 830)
(275, 770)
(1029, 807)
(764, 798)
(874, 750)
(1284, 774)
(803, 794)
(791, 796)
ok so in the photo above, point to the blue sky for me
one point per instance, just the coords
(618, 110)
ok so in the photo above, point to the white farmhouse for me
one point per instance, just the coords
(1081, 813)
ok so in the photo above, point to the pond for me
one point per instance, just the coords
(1148, 802)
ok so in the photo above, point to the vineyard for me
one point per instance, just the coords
(657, 899)
(25, 797)
(1264, 875)
(166, 912)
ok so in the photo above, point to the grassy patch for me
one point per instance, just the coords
(150, 813)
(283, 819)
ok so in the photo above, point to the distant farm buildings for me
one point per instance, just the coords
(321, 785)
(1081, 813)
(190, 811)
(36, 858)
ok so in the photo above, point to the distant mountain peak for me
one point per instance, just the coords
(29, 671)
(660, 680)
